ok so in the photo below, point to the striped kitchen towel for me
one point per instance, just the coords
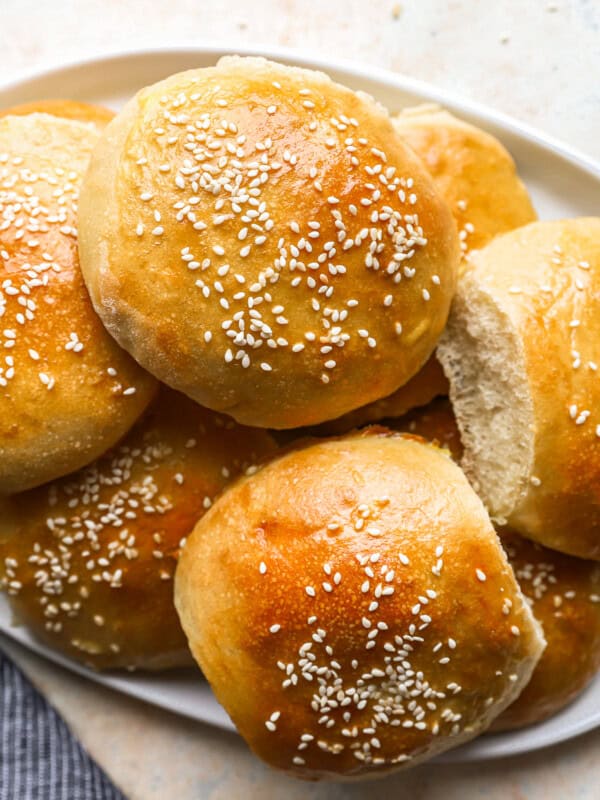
(39, 757)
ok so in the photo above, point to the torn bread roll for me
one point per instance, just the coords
(522, 354)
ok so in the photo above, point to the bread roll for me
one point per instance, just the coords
(352, 608)
(67, 391)
(66, 109)
(563, 592)
(88, 560)
(522, 354)
(472, 169)
(259, 238)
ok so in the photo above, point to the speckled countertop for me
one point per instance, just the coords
(536, 60)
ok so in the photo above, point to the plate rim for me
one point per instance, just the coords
(311, 59)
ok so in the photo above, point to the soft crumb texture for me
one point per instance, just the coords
(360, 584)
(260, 238)
(472, 169)
(88, 560)
(521, 353)
(67, 390)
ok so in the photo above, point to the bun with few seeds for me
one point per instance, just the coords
(88, 560)
(563, 592)
(522, 354)
(352, 608)
(260, 238)
(65, 109)
(67, 390)
(473, 171)
(429, 383)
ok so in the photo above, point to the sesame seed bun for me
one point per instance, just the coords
(261, 239)
(67, 390)
(473, 171)
(522, 354)
(88, 560)
(563, 592)
(65, 109)
(352, 608)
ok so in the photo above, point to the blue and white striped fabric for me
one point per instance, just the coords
(39, 757)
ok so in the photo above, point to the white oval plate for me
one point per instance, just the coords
(562, 182)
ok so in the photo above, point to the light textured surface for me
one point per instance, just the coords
(536, 60)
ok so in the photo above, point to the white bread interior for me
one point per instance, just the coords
(482, 356)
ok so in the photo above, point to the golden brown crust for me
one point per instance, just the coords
(564, 593)
(266, 227)
(88, 560)
(353, 609)
(65, 109)
(472, 169)
(422, 388)
(67, 390)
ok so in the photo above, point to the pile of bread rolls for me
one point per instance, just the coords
(202, 301)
